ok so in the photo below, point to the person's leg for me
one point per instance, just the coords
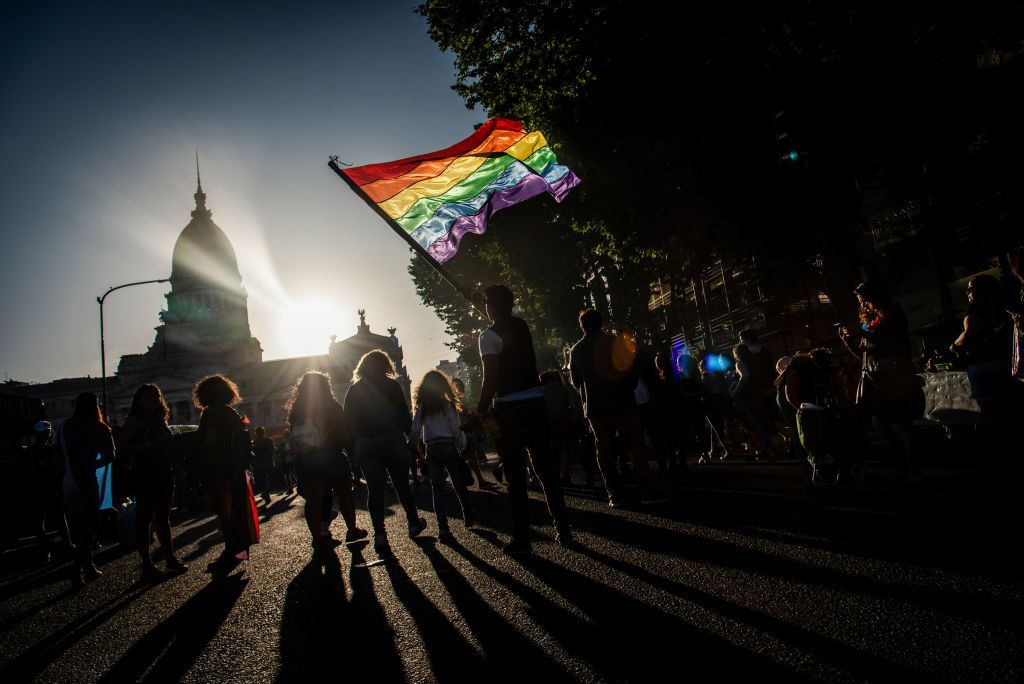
(436, 468)
(395, 456)
(376, 480)
(144, 509)
(512, 452)
(453, 465)
(545, 465)
(313, 492)
(604, 436)
(162, 524)
(629, 425)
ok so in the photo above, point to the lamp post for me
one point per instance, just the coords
(103, 344)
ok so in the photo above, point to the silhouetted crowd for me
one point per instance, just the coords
(614, 410)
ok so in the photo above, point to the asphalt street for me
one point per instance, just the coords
(747, 570)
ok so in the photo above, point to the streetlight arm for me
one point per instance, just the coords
(103, 345)
(141, 282)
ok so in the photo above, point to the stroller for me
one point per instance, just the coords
(826, 425)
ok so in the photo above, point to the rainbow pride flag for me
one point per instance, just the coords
(437, 198)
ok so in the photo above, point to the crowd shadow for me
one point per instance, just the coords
(27, 665)
(325, 637)
(168, 650)
(623, 638)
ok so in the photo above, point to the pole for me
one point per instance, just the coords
(103, 343)
(441, 270)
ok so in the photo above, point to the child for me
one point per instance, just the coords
(436, 423)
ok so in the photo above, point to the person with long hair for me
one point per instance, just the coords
(225, 454)
(984, 349)
(890, 391)
(144, 440)
(379, 421)
(319, 436)
(471, 427)
(88, 445)
(436, 424)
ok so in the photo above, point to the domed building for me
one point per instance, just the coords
(205, 329)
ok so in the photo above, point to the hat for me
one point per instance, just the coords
(43, 426)
(780, 367)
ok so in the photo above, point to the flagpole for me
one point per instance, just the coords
(441, 270)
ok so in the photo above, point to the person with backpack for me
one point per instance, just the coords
(319, 436)
(436, 425)
(144, 438)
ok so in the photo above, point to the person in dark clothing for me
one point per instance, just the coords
(319, 436)
(670, 426)
(225, 455)
(379, 421)
(984, 347)
(285, 466)
(603, 368)
(755, 391)
(512, 394)
(263, 462)
(43, 475)
(88, 445)
(890, 391)
(144, 439)
(474, 451)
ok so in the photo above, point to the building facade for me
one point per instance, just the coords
(205, 329)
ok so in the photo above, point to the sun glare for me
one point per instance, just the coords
(307, 326)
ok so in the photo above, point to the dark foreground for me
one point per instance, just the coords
(745, 571)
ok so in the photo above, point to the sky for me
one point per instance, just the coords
(102, 108)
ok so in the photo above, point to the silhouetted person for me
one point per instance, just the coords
(436, 424)
(225, 455)
(474, 451)
(42, 469)
(88, 445)
(144, 440)
(319, 436)
(379, 421)
(984, 348)
(263, 462)
(286, 468)
(511, 392)
(889, 391)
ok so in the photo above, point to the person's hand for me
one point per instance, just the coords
(844, 332)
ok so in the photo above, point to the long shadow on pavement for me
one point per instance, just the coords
(508, 650)
(624, 638)
(702, 550)
(39, 656)
(167, 652)
(862, 664)
(452, 658)
(324, 636)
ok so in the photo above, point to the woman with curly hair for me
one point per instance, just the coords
(436, 423)
(144, 439)
(318, 438)
(225, 454)
(379, 421)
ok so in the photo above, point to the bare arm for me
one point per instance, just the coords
(489, 385)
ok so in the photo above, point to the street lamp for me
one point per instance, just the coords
(103, 344)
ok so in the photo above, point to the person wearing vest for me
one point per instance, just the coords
(512, 393)
(603, 368)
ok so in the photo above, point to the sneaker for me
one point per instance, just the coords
(565, 539)
(498, 475)
(356, 534)
(468, 520)
(824, 476)
(614, 502)
(173, 565)
(517, 547)
(417, 527)
(445, 537)
(91, 572)
(381, 545)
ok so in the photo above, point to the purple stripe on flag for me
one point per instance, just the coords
(444, 248)
(561, 187)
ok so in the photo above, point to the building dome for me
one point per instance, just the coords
(203, 256)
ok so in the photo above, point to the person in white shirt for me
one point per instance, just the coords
(437, 425)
